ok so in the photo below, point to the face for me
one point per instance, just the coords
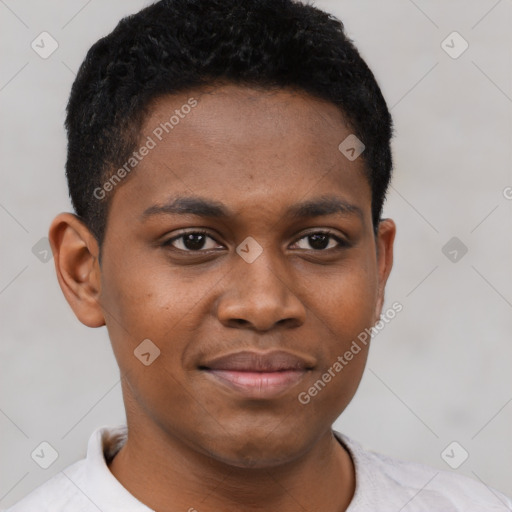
(242, 246)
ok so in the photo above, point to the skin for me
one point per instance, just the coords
(194, 443)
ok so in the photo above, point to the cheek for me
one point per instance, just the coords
(346, 302)
(147, 296)
(140, 304)
(351, 314)
(346, 310)
(347, 318)
(152, 302)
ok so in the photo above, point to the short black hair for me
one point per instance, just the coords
(173, 46)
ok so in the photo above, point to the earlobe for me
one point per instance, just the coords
(385, 240)
(75, 252)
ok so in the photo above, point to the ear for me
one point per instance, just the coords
(384, 241)
(76, 253)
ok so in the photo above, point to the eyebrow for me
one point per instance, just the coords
(202, 207)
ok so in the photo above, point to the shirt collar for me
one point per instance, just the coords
(104, 490)
(107, 493)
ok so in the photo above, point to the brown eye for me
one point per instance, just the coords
(192, 241)
(322, 240)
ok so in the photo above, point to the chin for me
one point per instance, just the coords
(254, 458)
(258, 449)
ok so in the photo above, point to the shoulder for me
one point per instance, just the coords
(59, 493)
(86, 485)
(416, 487)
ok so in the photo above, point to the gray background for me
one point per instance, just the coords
(438, 373)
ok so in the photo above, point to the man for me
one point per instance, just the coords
(228, 163)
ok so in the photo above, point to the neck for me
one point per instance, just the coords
(167, 475)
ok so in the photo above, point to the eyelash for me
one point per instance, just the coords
(342, 244)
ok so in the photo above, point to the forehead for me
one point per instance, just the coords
(243, 147)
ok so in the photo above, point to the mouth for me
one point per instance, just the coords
(258, 375)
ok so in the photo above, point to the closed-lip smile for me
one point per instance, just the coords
(258, 375)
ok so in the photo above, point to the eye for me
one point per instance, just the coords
(322, 240)
(191, 241)
(196, 241)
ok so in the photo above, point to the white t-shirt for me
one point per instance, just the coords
(383, 484)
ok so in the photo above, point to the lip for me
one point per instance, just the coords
(259, 375)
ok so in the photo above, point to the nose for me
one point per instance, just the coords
(260, 296)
